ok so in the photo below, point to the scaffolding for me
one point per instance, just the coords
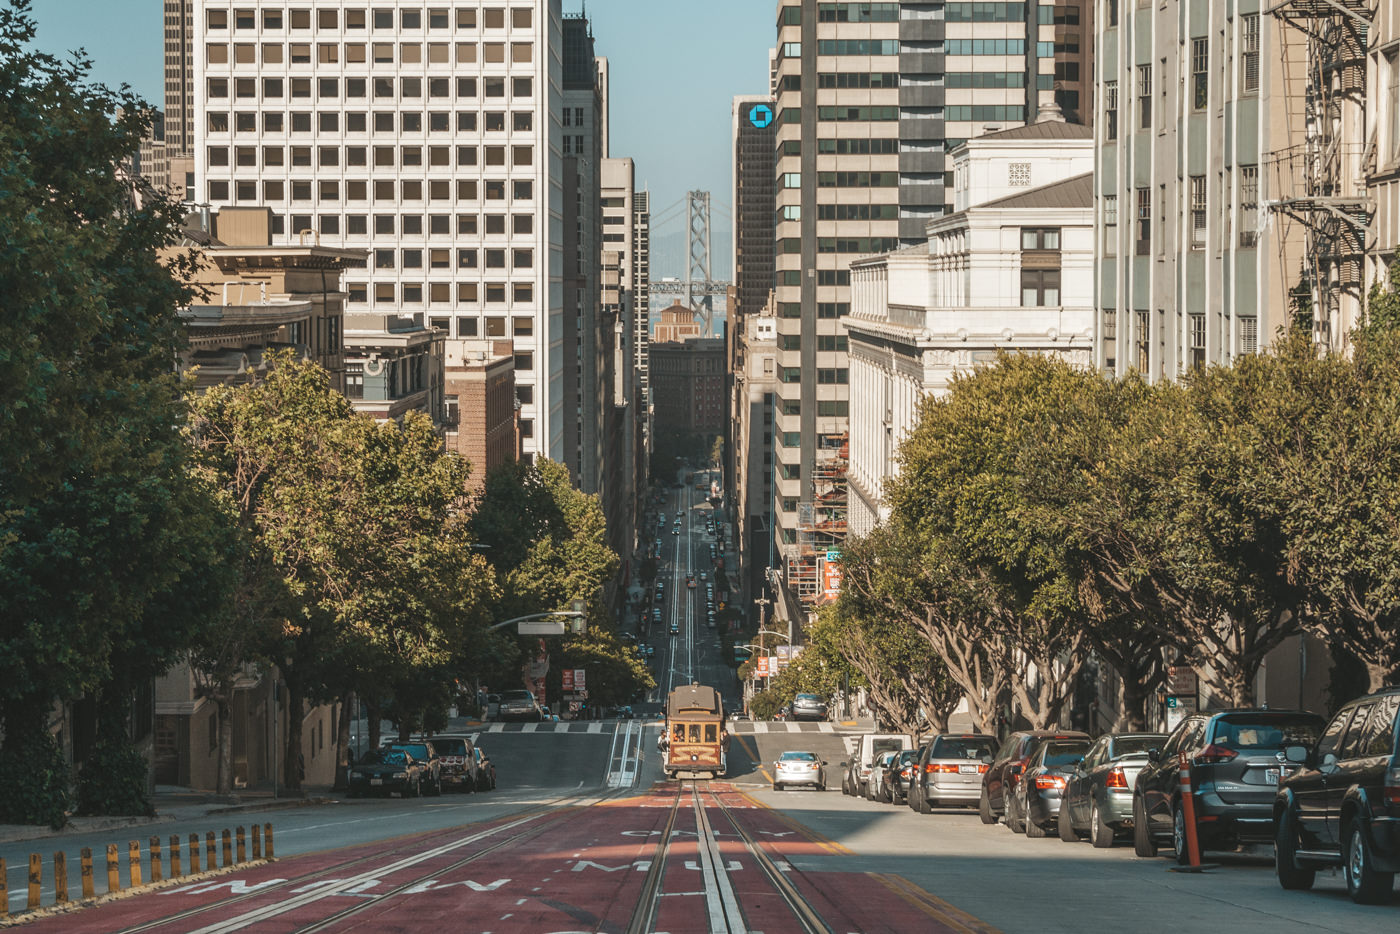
(1320, 179)
(821, 522)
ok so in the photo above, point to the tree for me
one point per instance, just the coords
(90, 412)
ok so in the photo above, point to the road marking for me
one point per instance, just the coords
(802, 829)
(595, 727)
(720, 901)
(935, 907)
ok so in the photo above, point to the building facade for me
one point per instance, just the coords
(427, 135)
(1010, 271)
(480, 405)
(177, 129)
(676, 323)
(1190, 273)
(689, 380)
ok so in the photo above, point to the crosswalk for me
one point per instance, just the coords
(611, 726)
(789, 726)
(595, 726)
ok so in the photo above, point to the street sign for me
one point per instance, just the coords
(833, 556)
(579, 679)
(762, 667)
(566, 680)
(541, 627)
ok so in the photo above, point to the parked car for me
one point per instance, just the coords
(457, 765)
(950, 769)
(1004, 772)
(809, 707)
(385, 772)
(485, 771)
(1039, 793)
(874, 789)
(899, 773)
(1098, 798)
(1233, 757)
(520, 705)
(425, 752)
(868, 747)
(1342, 805)
(799, 768)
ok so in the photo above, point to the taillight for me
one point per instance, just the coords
(905, 771)
(1116, 778)
(1214, 755)
(930, 768)
(1390, 793)
(1046, 782)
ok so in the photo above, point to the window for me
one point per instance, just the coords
(1198, 212)
(1249, 53)
(1110, 225)
(1040, 287)
(1144, 95)
(1040, 238)
(1196, 341)
(1110, 109)
(1144, 221)
(1143, 343)
(1249, 335)
(1200, 65)
(1249, 205)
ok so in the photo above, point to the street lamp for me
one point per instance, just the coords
(555, 628)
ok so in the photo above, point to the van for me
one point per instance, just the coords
(869, 746)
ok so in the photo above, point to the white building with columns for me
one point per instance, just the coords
(1010, 270)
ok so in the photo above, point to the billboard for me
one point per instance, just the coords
(761, 670)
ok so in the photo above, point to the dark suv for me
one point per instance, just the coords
(999, 781)
(1343, 805)
(1234, 762)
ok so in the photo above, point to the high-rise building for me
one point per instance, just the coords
(178, 125)
(641, 317)
(429, 135)
(749, 339)
(1188, 274)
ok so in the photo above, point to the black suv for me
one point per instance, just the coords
(1234, 763)
(1000, 779)
(1343, 805)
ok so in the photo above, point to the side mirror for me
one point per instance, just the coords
(824, 762)
(1296, 754)
(1154, 754)
(843, 765)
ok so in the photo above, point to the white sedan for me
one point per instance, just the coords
(799, 768)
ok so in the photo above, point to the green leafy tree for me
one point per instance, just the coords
(1383, 303)
(91, 461)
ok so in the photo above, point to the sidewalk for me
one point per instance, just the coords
(172, 804)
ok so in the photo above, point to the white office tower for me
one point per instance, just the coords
(425, 132)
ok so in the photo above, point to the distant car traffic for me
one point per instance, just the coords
(799, 768)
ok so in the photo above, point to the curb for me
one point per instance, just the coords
(279, 805)
(89, 825)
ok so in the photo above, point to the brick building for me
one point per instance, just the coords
(479, 389)
(688, 380)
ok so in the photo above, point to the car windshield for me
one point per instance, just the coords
(450, 747)
(515, 696)
(384, 757)
(1059, 754)
(804, 756)
(885, 745)
(1135, 745)
(814, 698)
(1263, 731)
(908, 755)
(960, 747)
(416, 750)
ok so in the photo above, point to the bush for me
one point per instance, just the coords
(113, 779)
(34, 781)
(764, 705)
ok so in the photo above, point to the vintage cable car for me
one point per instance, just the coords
(697, 740)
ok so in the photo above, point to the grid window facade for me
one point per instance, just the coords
(1249, 53)
(1144, 96)
(1198, 212)
(1200, 66)
(1249, 205)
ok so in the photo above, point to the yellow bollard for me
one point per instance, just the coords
(175, 872)
(114, 882)
(85, 870)
(133, 864)
(211, 856)
(257, 842)
(194, 853)
(228, 848)
(242, 850)
(267, 839)
(36, 877)
(4, 891)
(156, 869)
(60, 878)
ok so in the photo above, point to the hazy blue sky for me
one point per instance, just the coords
(675, 66)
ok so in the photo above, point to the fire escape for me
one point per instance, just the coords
(821, 523)
(1320, 180)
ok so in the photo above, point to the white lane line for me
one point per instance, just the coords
(595, 727)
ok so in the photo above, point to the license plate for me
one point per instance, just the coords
(1271, 776)
(967, 770)
(376, 781)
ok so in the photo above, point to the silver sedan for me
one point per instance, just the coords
(799, 768)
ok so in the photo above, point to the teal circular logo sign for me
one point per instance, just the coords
(760, 115)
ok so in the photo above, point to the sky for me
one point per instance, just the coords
(676, 65)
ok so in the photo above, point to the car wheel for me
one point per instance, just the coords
(1013, 817)
(777, 786)
(437, 787)
(1291, 876)
(925, 805)
(1101, 834)
(1033, 829)
(1143, 844)
(846, 785)
(984, 809)
(1066, 826)
(1183, 857)
(821, 786)
(1365, 885)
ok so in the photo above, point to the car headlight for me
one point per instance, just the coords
(401, 775)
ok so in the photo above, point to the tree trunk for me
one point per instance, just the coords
(1135, 694)
(373, 715)
(292, 761)
(342, 743)
(224, 783)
